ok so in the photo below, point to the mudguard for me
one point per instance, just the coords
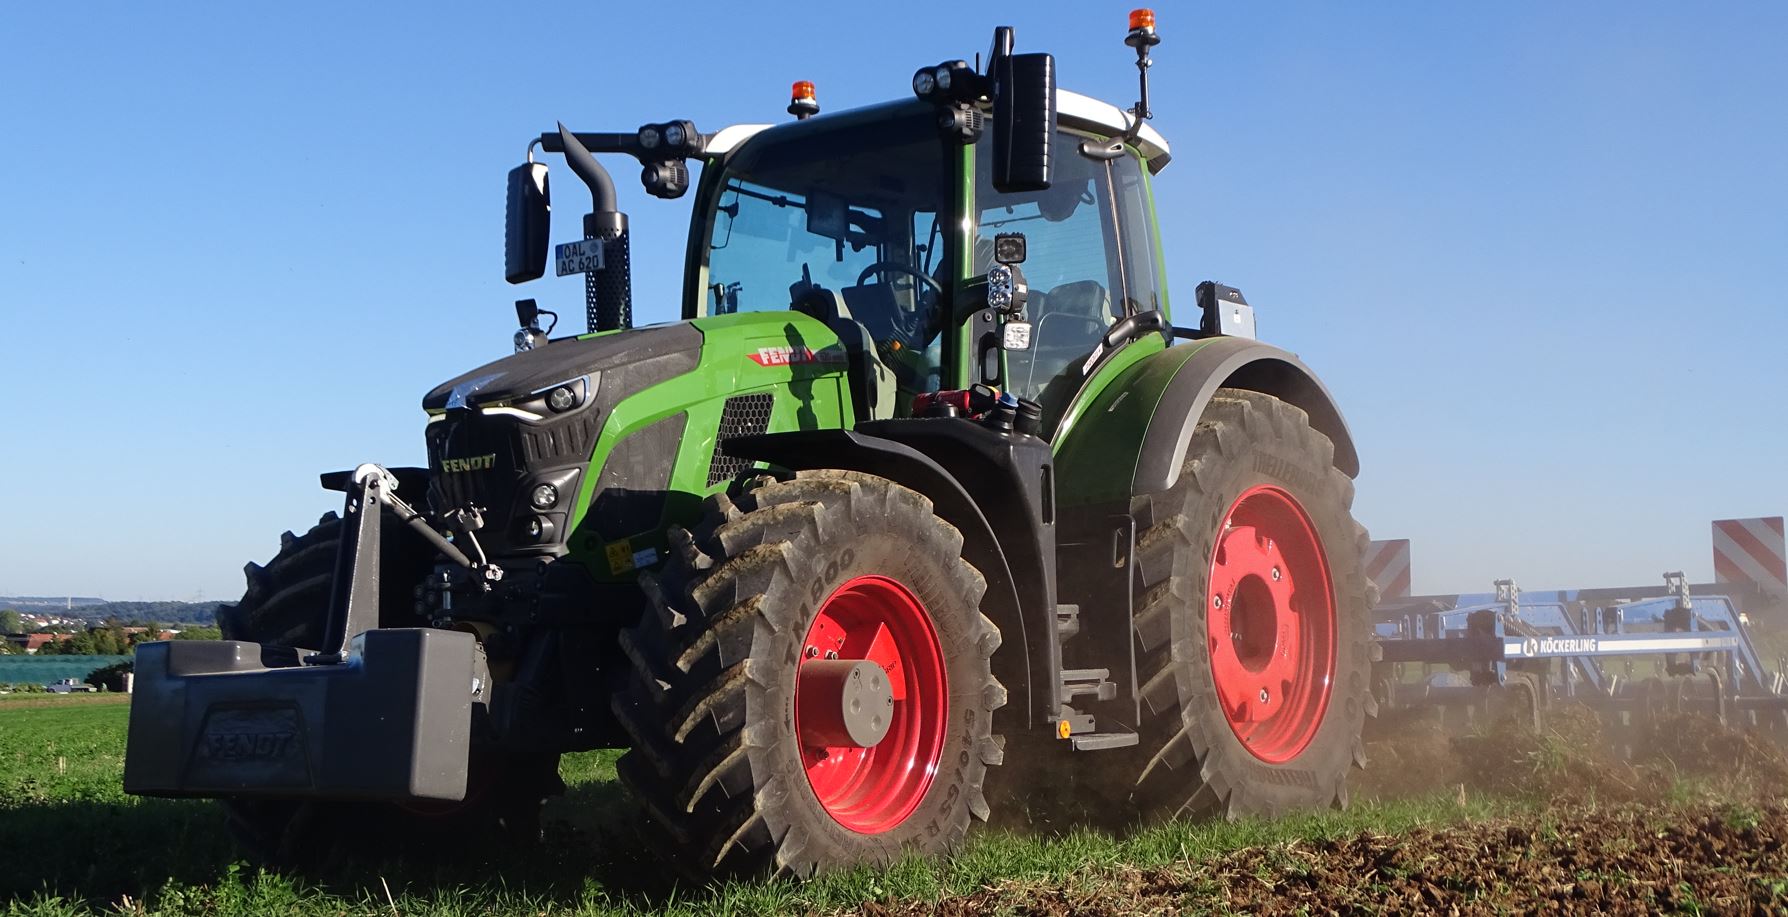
(1129, 436)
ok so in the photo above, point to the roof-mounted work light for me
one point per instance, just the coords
(950, 81)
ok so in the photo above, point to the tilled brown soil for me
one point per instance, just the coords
(1601, 835)
(1722, 859)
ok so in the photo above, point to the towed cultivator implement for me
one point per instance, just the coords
(1633, 660)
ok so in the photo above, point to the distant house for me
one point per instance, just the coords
(31, 643)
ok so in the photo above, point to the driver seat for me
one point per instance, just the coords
(873, 389)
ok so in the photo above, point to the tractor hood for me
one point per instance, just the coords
(523, 375)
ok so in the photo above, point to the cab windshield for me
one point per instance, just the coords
(851, 207)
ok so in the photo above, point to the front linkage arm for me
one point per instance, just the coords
(354, 589)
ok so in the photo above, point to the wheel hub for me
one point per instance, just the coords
(843, 703)
(871, 704)
(1271, 625)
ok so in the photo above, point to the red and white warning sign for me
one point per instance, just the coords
(1387, 564)
(1750, 551)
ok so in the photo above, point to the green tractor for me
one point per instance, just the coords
(927, 509)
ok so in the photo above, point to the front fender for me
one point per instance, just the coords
(1131, 437)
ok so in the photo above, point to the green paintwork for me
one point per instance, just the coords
(958, 367)
(808, 396)
(1102, 380)
(1096, 454)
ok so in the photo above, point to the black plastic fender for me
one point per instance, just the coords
(1233, 363)
(1019, 586)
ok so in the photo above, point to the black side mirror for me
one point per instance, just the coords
(1023, 116)
(528, 224)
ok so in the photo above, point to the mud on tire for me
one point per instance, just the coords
(710, 702)
(1190, 760)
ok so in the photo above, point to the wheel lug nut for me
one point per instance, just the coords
(1276, 574)
(812, 651)
(1216, 601)
(1263, 695)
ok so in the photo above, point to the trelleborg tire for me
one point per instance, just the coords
(1252, 622)
(736, 771)
(285, 605)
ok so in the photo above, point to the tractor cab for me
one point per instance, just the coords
(880, 224)
(857, 220)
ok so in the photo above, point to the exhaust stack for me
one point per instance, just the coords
(608, 292)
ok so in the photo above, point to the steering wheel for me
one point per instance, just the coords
(880, 267)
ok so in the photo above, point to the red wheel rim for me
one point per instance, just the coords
(871, 790)
(1270, 624)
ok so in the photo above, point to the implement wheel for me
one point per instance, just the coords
(1252, 623)
(285, 605)
(811, 687)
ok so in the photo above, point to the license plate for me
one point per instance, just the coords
(578, 257)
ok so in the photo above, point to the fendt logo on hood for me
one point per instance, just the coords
(793, 356)
(469, 463)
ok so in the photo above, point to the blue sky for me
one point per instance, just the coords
(1535, 249)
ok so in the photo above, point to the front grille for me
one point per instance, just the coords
(485, 449)
(742, 415)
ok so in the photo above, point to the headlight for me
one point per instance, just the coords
(544, 496)
(942, 79)
(673, 135)
(648, 138)
(562, 399)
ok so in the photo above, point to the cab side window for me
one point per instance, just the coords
(1090, 261)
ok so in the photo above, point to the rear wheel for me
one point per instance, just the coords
(812, 686)
(1252, 624)
(285, 605)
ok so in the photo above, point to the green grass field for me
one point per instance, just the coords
(71, 842)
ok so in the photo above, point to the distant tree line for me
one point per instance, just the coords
(12, 620)
(165, 612)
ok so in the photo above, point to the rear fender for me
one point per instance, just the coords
(1131, 438)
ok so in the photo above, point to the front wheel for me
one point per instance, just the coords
(811, 688)
(1252, 624)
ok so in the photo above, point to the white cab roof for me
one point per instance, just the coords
(1072, 110)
